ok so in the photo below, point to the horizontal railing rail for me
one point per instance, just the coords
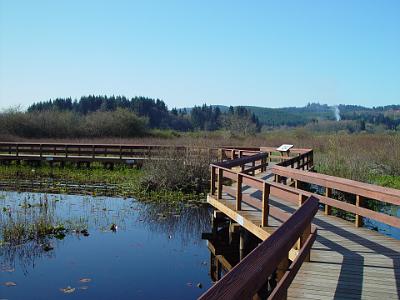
(250, 274)
(121, 151)
(360, 190)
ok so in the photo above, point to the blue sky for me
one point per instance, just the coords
(263, 53)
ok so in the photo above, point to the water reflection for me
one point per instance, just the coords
(228, 244)
(133, 260)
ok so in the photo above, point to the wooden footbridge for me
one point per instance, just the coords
(85, 154)
(306, 253)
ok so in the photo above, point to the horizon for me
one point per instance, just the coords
(24, 108)
(264, 54)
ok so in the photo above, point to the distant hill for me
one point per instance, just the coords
(313, 112)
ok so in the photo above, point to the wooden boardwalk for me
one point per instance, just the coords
(346, 262)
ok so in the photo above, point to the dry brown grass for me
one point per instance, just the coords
(354, 156)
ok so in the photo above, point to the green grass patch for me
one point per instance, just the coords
(125, 181)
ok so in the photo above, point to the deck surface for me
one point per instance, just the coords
(346, 262)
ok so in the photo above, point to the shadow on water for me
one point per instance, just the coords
(109, 248)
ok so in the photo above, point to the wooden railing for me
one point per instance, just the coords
(361, 192)
(249, 275)
(297, 158)
(290, 176)
(94, 151)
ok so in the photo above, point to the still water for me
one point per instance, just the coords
(113, 248)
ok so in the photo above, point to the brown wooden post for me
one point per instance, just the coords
(212, 190)
(283, 266)
(302, 240)
(265, 204)
(302, 199)
(220, 156)
(359, 219)
(239, 192)
(328, 193)
(253, 164)
(220, 177)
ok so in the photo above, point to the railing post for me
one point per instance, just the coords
(220, 156)
(239, 192)
(283, 266)
(328, 193)
(212, 190)
(16, 149)
(253, 164)
(66, 150)
(220, 177)
(302, 199)
(93, 151)
(359, 219)
(303, 238)
(265, 204)
(120, 151)
(40, 151)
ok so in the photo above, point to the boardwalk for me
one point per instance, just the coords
(346, 261)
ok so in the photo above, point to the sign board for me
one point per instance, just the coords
(284, 148)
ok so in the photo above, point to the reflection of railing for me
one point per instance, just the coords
(248, 277)
(360, 191)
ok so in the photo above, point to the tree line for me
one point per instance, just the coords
(118, 116)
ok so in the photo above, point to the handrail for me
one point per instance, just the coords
(21, 149)
(359, 189)
(249, 275)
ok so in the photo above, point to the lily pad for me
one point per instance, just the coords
(9, 283)
(84, 287)
(67, 290)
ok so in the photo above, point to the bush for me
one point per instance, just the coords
(178, 170)
(64, 124)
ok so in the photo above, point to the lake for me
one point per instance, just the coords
(119, 249)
